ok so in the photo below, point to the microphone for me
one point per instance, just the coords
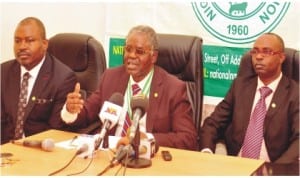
(125, 150)
(109, 115)
(83, 148)
(147, 148)
(122, 152)
(139, 104)
(46, 144)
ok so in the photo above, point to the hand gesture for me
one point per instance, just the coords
(74, 102)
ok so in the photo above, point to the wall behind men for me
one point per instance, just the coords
(228, 29)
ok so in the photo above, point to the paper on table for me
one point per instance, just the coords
(78, 141)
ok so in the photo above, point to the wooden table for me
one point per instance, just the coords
(34, 161)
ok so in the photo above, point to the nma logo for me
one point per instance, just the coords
(240, 22)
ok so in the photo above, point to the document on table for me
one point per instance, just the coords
(78, 141)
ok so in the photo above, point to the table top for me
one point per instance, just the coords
(35, 161)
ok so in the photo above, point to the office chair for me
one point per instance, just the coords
(86, 56)
(181, 55)
(290, 66)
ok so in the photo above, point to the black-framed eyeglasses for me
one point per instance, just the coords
(137, 51)
(264, 52)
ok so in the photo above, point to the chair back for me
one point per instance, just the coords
(82, 53)
(290, 66)
(86, 56)
(181, 55)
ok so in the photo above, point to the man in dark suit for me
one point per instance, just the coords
(169, 115)
(48, 84)
(231, 117)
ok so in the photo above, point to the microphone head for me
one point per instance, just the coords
(82, 148)
(111, 110)
(139, 101)
(48, 144)
(117, 98)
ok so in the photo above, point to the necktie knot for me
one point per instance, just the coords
(26, 76)
(265, 91)
(135, 89)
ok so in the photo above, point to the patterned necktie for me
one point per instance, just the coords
(127, 123)
(21, 106)
(254, 134)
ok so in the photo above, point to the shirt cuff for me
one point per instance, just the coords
(66, 116)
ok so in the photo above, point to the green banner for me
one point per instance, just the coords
(116, 47)
(220, 66)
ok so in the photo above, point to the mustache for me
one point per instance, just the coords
(20, 53)
(132, 61)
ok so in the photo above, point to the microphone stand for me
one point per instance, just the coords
(105, 143)
(136, 162)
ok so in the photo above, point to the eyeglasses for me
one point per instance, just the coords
(264, 52)
(137, 51)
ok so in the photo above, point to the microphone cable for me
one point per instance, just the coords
(112, 165)
(104, 171)
(59, 170)
(81, 150)
(125, 166)
(84, 168)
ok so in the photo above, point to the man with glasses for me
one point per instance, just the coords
(259, 116)
(169, 115)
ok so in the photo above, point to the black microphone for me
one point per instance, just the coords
(46, 144)
(124, 148)
(122, 152)
(139, 105)
(109, 115)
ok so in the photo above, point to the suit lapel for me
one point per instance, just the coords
(276, 102)
(156, 92)
(247, 92)
(41, 83)
(14, 88)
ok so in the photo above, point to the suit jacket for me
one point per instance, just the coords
(231, 117)
(169, 115)
(54, 81)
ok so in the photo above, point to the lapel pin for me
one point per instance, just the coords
(33, 98)
(155, 95)
(273, 105)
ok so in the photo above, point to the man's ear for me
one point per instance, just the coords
(282, 57)
(154, 56)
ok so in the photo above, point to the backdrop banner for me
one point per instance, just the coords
(228, 30)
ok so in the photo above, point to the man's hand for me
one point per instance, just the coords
(74, 102)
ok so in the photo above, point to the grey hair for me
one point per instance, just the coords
(149, 31)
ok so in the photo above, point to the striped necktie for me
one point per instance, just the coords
(21, 106)
(127, 123)
(254, 134)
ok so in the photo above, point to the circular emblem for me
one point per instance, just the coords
(240, 22)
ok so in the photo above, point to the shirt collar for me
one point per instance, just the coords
(142, 82)
(34, 71)
(273, 85)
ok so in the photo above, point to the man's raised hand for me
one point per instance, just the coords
(74, 101)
